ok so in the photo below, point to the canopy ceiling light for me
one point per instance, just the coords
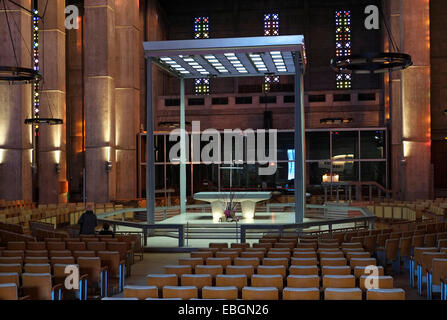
(224, 58)
(243, 57)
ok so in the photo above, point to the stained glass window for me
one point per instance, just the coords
(271, 24)
(202, 86)
(201, 28)
(271, 28)
(343, 45)
(202, 31)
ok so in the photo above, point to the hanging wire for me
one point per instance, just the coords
(10, 34)
(394, 46)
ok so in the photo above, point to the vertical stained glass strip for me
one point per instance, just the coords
(343, 45)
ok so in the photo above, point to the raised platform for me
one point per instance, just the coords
(206, 218)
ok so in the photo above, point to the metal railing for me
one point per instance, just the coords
(366, 219)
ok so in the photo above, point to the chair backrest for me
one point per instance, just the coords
(8, 291)
(11, 268)
(253, 254)
(37, 285)
(56, 246)
(59, 253)
(301, 294)
(260, 293)
(227, 254)
(193, 262)
(178, 270)
(427, 259)
(246, 262)
(161, 280)
(9, 277)
(380, 282)
(392, 248)
(360, 254)
(310, 281)
(240, 245)
(197, 280)
(276, 254)
(111, 260)
(335, 270)
(385, 294)
(333, 262)
(140, 292)
(218, 245)
(430, 240)
(345, 281)
(36, 245)
(184, 293)
(19, 245)
(245, 270)
(13, 253)
(236, 280)
(37, 268)
(63, 260)
(258, 280)
(228, 293)
(305, 254)
(213, 270)
(96, 246)
(76, 246)
(10, 260)
(218, 261)
(92, 267)
(36, 260)
(120, 247)
(331, 254)
(354, 262)
(303, 270)
(439, 270)
(202, 254)
(275, 262)
(405, 246)
(342, 294)
(281, 270)
(78, 254)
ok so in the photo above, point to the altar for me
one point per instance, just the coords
(219, 200)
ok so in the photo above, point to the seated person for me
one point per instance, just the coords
(106, 230)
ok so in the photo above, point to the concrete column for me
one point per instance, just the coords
(416, 100)
(410, 101)
(127, 96)
(99, 73)
(52, 139)
(75, 111)
(15, 106)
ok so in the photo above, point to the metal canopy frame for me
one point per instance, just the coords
(223, 58)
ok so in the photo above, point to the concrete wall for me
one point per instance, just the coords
(438, 45)
(15, 106)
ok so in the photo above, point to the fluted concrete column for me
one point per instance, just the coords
(52, 164)
(411, 123)
(99, 39)
(395, 103)
(15, 106)
(127, 96)
(416, 100)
